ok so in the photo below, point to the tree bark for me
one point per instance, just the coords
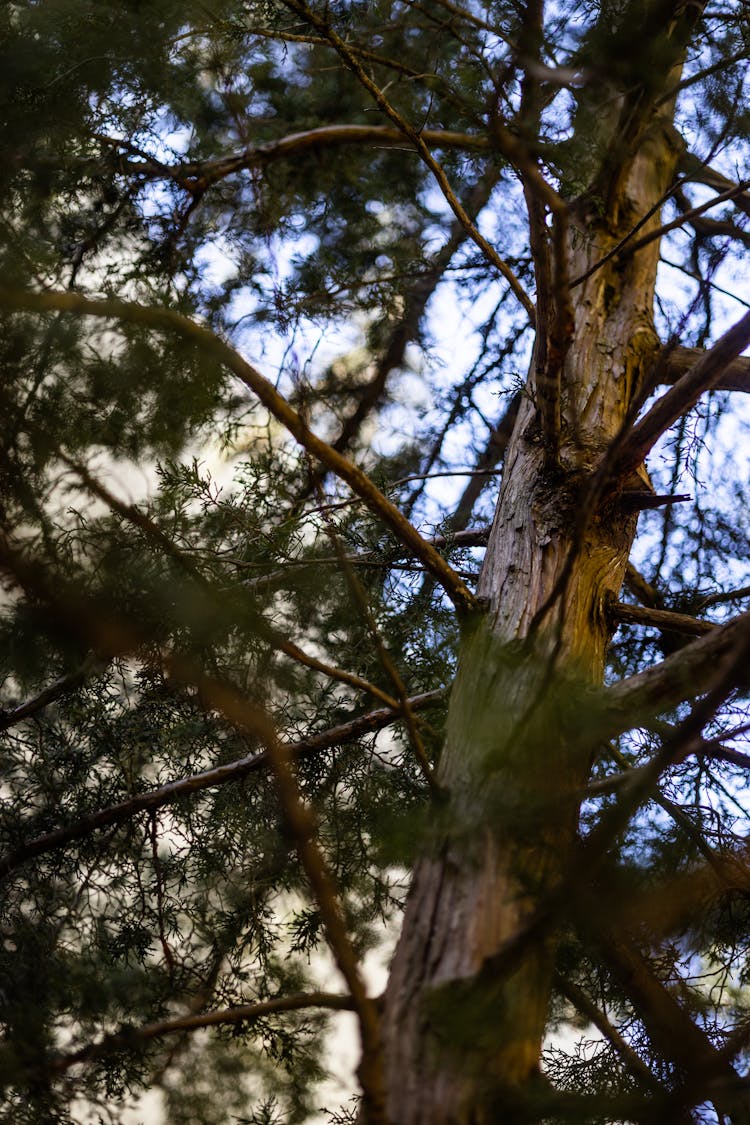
(517, 756)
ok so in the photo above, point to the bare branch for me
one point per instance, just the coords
(492, 454)
(692, 670)
(642, 589)
(661, 619)
(702, 376)
(731, 193)
(696, 170)
(302, 827)
(674, 362)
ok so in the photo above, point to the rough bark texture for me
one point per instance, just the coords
(517, 755)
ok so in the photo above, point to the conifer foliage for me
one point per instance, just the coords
(373, 515)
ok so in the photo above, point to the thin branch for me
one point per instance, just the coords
(669, 1026)
(302, 827)
(276, 639)
(199, 175)
(492, 454)
(550, 251)
(207, 341)
(415, 304)
(57, 690)
(702, 173)
(359, 597)
(417, 139)
(625, 246)
(699, 75)
(229, 772)
(581, 1002)
(131, 1037)
(731, 193)
(723, 596)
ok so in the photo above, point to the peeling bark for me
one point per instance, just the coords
(517, 753)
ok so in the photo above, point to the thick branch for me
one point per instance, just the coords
(674, 362)
(661, 619)
(691, 671)
(171, 321)
(702, 376)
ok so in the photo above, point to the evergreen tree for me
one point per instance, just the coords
(295, 295)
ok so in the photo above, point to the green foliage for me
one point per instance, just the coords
(176, 538)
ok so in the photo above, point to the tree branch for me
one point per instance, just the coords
(581, 1002)
(661, 619)
(696, 170)
(693, 670)
(669, 1026)
(414, 308)
(49, 694)
(129, 1037)
(234, 771)
(417, 139)
(702, 376)
(197, 176)
(735, 191)
(674, 362)
(168, 320)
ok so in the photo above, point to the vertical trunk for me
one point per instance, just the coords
(517, 754)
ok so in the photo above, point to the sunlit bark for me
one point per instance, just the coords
(517, 754)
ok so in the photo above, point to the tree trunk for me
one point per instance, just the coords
(460, 1041)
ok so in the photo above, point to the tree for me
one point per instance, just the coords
(255, 228)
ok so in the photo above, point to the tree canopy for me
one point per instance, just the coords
(282, 283)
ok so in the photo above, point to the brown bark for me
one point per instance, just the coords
(516, 756)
